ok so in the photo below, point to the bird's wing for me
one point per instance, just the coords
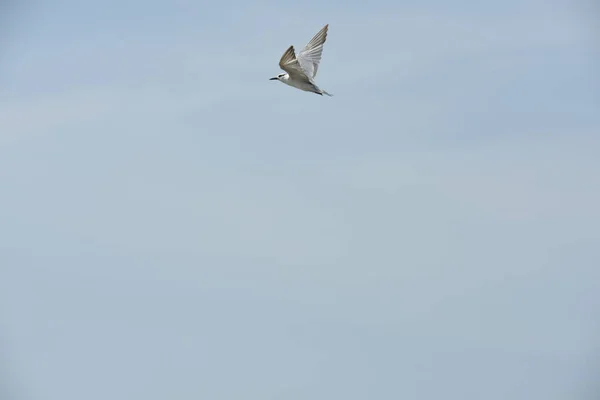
(310, 57)
(289, 63)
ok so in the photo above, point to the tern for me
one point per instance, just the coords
(300, 70)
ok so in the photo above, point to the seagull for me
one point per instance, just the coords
(302, 69)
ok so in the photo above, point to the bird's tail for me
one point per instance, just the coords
(328, 94)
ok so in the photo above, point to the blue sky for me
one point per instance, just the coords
(175, 226)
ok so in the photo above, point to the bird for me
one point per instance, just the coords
(300, 70)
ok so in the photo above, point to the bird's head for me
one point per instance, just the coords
(279, 77)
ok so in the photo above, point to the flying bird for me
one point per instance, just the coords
(300, 70)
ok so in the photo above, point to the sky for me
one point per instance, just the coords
(173, 225)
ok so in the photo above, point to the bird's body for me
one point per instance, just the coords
(305, 85)
(301, 70)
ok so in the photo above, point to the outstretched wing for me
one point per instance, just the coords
(289, 63)
(310, 57)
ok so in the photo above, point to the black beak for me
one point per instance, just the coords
(272, 79)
